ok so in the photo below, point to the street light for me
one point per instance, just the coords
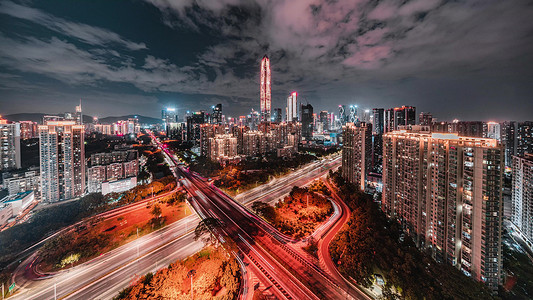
(190, 275)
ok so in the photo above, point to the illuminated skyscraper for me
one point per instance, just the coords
(62, 155)
(9, 145)
(292, 108)
(522, 199)
(307, 121)
(343, 117)
(446, 191)
(356, 152)
(266, 91)
(277, 115)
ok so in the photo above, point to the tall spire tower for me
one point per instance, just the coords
(265, 91)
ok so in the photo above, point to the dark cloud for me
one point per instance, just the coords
(469, 59)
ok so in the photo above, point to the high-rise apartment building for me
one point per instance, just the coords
(222, 147)
(356, 152)
(62, 155)
(389, 120)
(509, 141)
(307, 121)
(524, 136)
(517, 137)
(292, 107)
(265, 89)
(446, 191)
(207, 132)
(9, 145)
(522, 197)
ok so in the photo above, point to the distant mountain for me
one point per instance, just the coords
(142, 119)
(38, 117)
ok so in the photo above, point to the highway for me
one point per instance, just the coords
(105, 276)
(289, 266)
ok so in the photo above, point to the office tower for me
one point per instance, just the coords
(253, 120)
(378, 119)
(277, 115)
(79, 114)
(405, 115)
(169, 116)
(193, 126)
(216, 117)
(356, 152)
(9, 145)
(62, 155)
(493, 130)
(425, 118)
(331, 121)
(307, 121)
(509, 141)
(292, 108)
(446, 191)
(324, 119)
(353, 117)
(343, 116)
(522, 197)
(265, 89)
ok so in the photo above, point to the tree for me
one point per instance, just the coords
(156, 211)
(264, 210)
(207, 226)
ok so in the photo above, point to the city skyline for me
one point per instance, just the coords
(194, 56)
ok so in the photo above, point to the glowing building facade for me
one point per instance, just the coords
(265, 89)
(292, 108)
(62, 155)
(446, 191)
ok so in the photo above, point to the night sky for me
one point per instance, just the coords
(469, 59)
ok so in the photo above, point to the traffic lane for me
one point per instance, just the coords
(287, 283)
(318, 280)
(178, 249)
(309, 274)
(77, 277)
(326, 241)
